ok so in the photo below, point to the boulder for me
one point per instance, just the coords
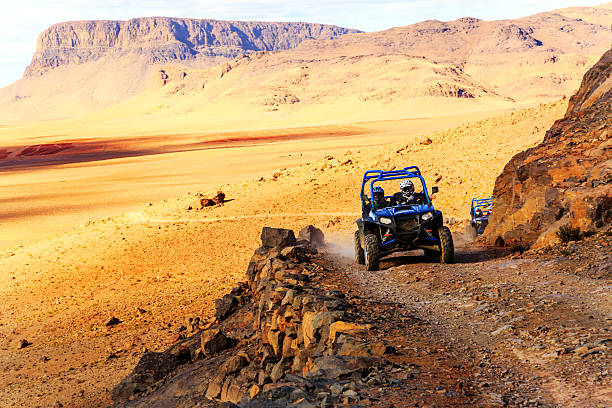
(277, 237)
(233, 365)
(313, 235)
(23, 343)
(275, 339)
(281, 391)
(279, 369)
(235, 393)
(214, 388)
(308, 330)
(225, 306)
(288, 299)
(214, 340)
(113, 321)
(202, 202)
(344, 327)
(329, 367)
(325, 318)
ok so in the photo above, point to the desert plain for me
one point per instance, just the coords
(99, 212)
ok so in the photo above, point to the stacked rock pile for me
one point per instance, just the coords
(278, 340)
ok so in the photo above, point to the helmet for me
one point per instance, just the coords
(407, 187)
(379, 194)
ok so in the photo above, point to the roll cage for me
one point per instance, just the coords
(485, 204)
(375, 176)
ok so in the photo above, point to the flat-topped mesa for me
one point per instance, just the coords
(163, 39)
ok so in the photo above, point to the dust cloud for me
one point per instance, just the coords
(340, 243)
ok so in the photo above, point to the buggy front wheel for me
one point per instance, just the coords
(372, 254)
(359, 254)
(447, 248)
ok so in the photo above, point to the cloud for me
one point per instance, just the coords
(22, 21)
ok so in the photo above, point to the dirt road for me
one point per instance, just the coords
(492, 329)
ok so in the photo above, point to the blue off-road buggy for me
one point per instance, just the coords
(480, 210)
(396, 225)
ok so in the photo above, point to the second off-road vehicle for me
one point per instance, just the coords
(480, 210)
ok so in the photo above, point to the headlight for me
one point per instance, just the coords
(386, 221)
(427, 216)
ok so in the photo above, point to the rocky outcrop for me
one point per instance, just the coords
(278, 339)
(163, 39)
(596, 86)
(567, 178)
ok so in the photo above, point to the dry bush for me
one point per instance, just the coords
(568, 233)
(519, 247)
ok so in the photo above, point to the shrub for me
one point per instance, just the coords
(568, 233)
(588, 233)
(519, 247)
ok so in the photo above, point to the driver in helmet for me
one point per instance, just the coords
(381, 202)
(379, 198)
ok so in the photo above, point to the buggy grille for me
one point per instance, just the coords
(407, 224)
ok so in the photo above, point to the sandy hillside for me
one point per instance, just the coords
(599, 15)
(355, 76)
(98, 177)
(151, 268)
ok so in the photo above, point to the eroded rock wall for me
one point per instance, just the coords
(596, 86)
(163, 39)
(566, 180)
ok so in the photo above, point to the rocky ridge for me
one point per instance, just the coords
(277, 339)
(93, 65)
(565, 180)
(164, 39)
(467, 40)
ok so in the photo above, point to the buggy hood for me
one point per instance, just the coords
(403, 210)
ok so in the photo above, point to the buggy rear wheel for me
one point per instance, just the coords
(372, 254)
(359, 254)
(447, 248)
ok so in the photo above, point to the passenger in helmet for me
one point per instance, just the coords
(407, 190)
(406, 195)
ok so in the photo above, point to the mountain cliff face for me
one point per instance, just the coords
(162, 39)
(82, 67)
(567, 179)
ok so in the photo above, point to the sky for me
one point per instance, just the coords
(22, 21)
